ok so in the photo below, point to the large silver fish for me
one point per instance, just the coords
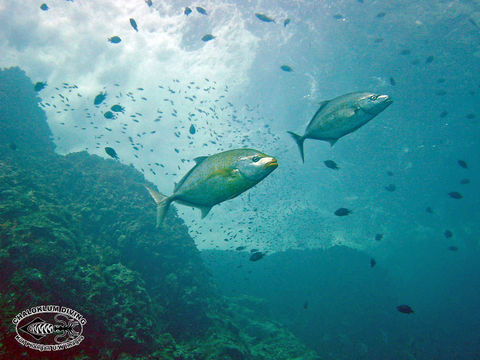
(216, 178)
(341, 116)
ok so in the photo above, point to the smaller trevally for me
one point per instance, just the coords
(216, 178)
(341, 116)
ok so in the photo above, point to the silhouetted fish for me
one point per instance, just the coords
(331, 164)
(117, 108)
(429, 210)
(264, 18)
(463, 164)
(39, 86)
(405, 309)
(208, 37)
(342, 212)
(240, 248)
(99, 98)
(372, 262)
(111, 152)
(201, 10)
(381, 14)
(465, 181)
(443, 114)
(429, 59)
(392, 81)
(148, 2)
(305, 305)
(134, 24)
(453, 248)
(187, 11)
(448, 234)
(391, 187)
(378, 237)
(256, 256)
(455, 195)
(338, 16)
(115, 39)
(44, 7)
(286, 22)
(108, 115)
(286, 68)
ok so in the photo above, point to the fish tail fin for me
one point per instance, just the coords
(163, 203)
(299, 140)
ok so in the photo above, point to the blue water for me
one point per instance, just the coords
(425, 54)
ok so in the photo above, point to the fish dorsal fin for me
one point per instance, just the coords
(205, 210)
(332, 141)
(322, 104)
(199, 159)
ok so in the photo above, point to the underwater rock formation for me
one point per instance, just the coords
(79, 231)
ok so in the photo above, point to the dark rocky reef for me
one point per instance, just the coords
(79, 231)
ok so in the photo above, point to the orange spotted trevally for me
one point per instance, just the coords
(216, 178)
(341, 116)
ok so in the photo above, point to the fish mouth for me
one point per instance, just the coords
(385, 99)
(272, 162)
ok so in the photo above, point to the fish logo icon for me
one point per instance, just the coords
(49, 328)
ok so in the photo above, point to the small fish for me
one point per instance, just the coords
(187, 11)
(443, 114)
(109, 115)
(342, 212)
(215, 179)
(134, 24)
(462, 164)
(264, 18)
(429, 210)
(111, 152)
(441, 92)
(39, 86)
(441, 80)
(470, 116)
(405, 309)
(44, 7)
(455, 195)
(391, 187)
(192, 129)
(240, 248)
(149, 3)
(201, 10)
(341, 116)
(390, 173)
(99, 98)
(208, 37)
(117, 108)
(12, 146)
(305, 305)
(378, 237)
(338, 16)
(392, 81)
(453, 248)
(405, 52)
(381, 14)
(331, 164)
(286, 68)
(256, 256)
(372, 262)
(429, 59)
(115, 39)
(465, 181)
(286, 22)
(448, 234)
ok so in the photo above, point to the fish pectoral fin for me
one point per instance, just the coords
(205, 210)
(225, 173)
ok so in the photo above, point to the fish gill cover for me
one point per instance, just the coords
(75, 231)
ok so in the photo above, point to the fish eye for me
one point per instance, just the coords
(256, 158)
(373, 97)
